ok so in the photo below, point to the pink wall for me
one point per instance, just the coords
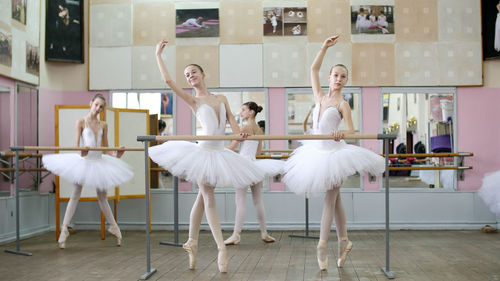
(478, 131)
(371, 125)
(277, 121)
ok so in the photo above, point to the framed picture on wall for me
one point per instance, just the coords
(491, 28)
(197, 23)
(166, 105)
(19, 11)
(64, 31)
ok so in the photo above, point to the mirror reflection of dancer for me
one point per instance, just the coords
(249, 149)
(208, 163)
(92, 169)
(322, 165)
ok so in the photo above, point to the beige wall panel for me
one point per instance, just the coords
(491, 73)
(328, 17)
(373, 64)
(152, 22)
(416, 21)
(205, 56)
(241, 65)
(340, 53)
(417, 64)
(110, 25)
(145, 73)
(240, 22)
(460, 64)
(285, 65)
(459, 20)
(96, 2)
(110, 68)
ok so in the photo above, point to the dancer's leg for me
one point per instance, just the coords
(102, 197)
(344, 245)
(261, 214)
(191, 246)
(214, 223)
(239, 199)
(68, 215)
(326, 224)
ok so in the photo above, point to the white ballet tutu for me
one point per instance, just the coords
(490, 191)
(312, 169)
(208, 162)
(270, 167)
(99, 172)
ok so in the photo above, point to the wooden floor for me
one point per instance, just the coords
(415, 255)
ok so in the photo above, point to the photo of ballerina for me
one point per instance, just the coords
(5, 48)
(491, 28)
(32, 59)
(197, 23)
(371, 19)
(273, 22)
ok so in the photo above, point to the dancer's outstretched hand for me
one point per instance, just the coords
(160, 46)
(330, 41)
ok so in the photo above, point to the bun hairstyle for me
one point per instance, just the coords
(98, 96)
(262, 125)
(195, 65)
(253, 106)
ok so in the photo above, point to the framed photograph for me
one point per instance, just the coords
(372, 19)
(19, 10)
(273, 22)
(197, 23)
(32, 59)
(5, 48)
(64, 31)
(491, 28)
(166, 104)
(295, 21)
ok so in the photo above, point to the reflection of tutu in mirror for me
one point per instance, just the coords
(490, 191)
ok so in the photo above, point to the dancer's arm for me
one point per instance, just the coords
(315, 67)
(304, 123)
(345, 110)
(230, 116)
(80, 124)
(189, 99)
(117, 154)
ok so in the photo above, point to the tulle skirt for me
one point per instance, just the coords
(217, 167)
(100, 173)
(270, 167)
(490, 191)
(312, 169)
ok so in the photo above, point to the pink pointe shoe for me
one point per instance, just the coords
(321, 255)
(222, 260)
(234, 239)
(191, 247)
(115, 230)
(344, 251)
(62, 238)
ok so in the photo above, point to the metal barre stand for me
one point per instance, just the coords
(149, 271)
(16, 184)
(307, 225)
(176, 217)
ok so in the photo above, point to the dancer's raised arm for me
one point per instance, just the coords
(189, 99)
(318, 92)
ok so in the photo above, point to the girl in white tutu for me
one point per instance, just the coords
(249, 149)
(321, 166)
(92, 169)
(208, 163)
(490, 191)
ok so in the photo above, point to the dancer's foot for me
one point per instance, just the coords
(62, 237)
(115, 230)
(321, 255)
(222, 260)
(191, 247)
(234, 239)
(267, 238)
(345, 246)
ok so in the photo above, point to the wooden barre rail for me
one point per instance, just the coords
(12, 154)
(23, 170)
(264, 137)
(58, 148)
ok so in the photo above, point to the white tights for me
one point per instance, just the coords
(240, 200)
(205, 202)
(73, 202)
(333, 207)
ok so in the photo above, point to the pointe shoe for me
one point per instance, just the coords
(191, 247)
(268, 238)
(62, 238)
(222, 260)
(321, 255)
(343, 254)
(115, 230)
(234, 239)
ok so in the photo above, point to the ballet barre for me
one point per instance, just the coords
(384, 137)
(16, 154)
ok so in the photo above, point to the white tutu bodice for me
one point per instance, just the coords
(95, 170)
(320, 165)
(490, 191)
(270, 167)
(207, 162)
